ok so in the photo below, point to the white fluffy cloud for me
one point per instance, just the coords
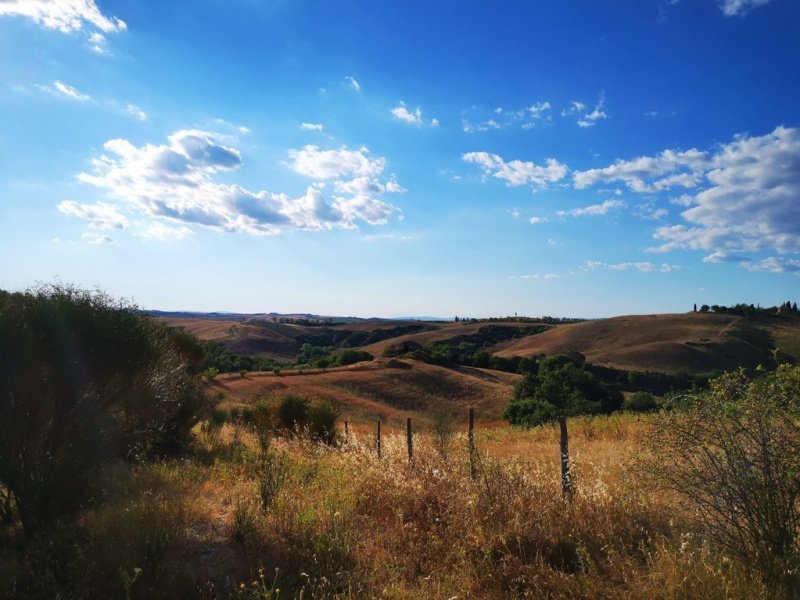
(731, 8)
(545, 277)
(592, 210)
(585, 119)
(100, 215)
(174, 183)
(329, 164)
(517, 172)
(774, 264)
(749, 202)
(311, 126)
(136, 112)
(65, 15)
(501, 118)
(353, 83)
(160, 231)
(414, 117)
(738, 198)
(642, 267)
(650, 173)
(402, 113)
(98, 239)
(60, 88)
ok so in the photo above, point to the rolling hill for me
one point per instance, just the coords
(692, 342)
(388, 389)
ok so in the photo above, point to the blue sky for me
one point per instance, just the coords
(379, 158)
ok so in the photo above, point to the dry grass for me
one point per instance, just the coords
(342, 524)
(391, 390)
(692, 342)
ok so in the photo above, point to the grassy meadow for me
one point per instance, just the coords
(282, 517)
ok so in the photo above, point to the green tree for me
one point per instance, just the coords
(560, 386)
(85, 379)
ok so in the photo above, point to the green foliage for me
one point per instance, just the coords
(322, 421)
(560, 386)
(640, 402)
(225, 361)
(293, 413)
(322, 357)
(734, 454)
(85, 379)
(210, 373)
(349, 357)
(472, 350)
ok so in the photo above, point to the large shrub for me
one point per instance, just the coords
(734, 453)
(85, 379)
(562, 385)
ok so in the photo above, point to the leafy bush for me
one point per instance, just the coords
(640, 402)
(293, 412)
(349, 357)
(85, 379)
(322, 420)
(734, 454)
(562, 385)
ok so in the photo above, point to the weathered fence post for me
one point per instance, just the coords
(378, 439)
(566, 478)
(471, 443)
(410, 442)
(346, 432)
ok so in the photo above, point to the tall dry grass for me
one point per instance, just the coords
(340, 523)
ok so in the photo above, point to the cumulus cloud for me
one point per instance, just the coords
(59, 88)
(545, 277)
(311, 126)
(313, 162)
(732, 8)
(97, 239)
(64, 15)
(98, 43)
(401, 112)
(650, 173)
(100, 215)
(517, 172)
(538, 108)
(737, 199)
(536, 220)
(585, 119)
(136, 112)
(414, 117)
(750, 201)
(774, 264)
(592, 210)
(174, 185)
(642, 267)
(502, 118)
(160, 231)
(353, 83)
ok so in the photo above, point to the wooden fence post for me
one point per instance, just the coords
(410, 442)
(566, 478)
(378, 439)
(346, 432)
(471, 443)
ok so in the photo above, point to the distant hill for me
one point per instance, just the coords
(693, 342)
(387, 389)
(669, 343)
